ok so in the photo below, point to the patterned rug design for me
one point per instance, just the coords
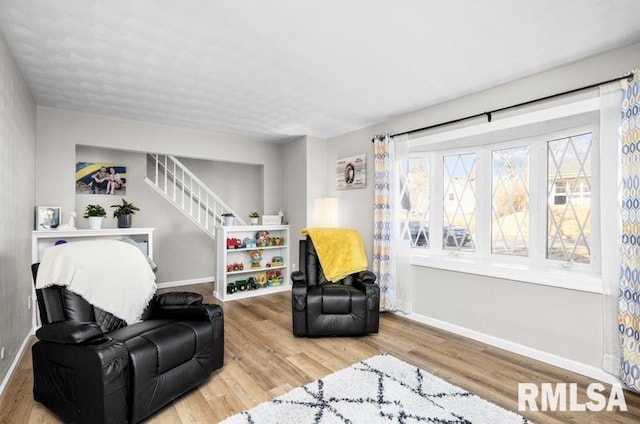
(381, 389)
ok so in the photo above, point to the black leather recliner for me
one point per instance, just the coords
(91, 367)
(349, 307)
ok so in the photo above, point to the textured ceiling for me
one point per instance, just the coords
(279, 68)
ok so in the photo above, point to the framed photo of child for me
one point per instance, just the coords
(351, 172)
(100, 178)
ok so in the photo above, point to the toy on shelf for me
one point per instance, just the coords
(261, 279)
(277, 261)
(274, 278)
(231, 287)
(249, 242)
(242, 285)
(251, 283)
(263, 239)
(234, 243)
(255, 256)
(277, 241)
(236, 266)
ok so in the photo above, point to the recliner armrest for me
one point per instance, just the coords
(298, 276)
(299, 293)
(177, 299)
(367, 277)
(206, 312)
(299, 303)
(69, 332)
(366, 282)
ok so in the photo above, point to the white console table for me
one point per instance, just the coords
(42, 240)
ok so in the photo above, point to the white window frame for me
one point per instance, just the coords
(535, 268)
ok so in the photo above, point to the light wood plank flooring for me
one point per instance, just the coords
(263, 360)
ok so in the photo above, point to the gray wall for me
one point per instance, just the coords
(306, 179)
(182, 252)
(558, 321)
(295, 186)
(17, 158)
(562, 322)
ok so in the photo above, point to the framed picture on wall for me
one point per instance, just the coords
(351, 172)
(47, 217)
(100, 178)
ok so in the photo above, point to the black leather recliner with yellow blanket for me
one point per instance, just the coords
(333, 293)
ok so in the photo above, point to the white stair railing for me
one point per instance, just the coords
(169, 177)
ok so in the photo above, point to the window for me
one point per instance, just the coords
(482, 197)
(530, 196)
(414, 200)
(510, 201)
(569, 205)
(459, 206)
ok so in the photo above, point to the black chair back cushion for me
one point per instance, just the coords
(310, 265)
(56, 303)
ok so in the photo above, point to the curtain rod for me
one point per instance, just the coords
(628, 77)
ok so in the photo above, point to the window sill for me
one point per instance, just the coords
(572, 279)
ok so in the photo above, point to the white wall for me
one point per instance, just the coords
(553, 320)
(181, 251)
(238, 185)
(17, 160)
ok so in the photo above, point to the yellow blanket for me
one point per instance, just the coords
(340, 251)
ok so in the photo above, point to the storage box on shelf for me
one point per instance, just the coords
(252, 260)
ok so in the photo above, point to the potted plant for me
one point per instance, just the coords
(227, 218)
(253, 217)
(94, 213)
(123, 212)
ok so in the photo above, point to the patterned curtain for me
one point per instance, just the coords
(629, 289)
(383, 257)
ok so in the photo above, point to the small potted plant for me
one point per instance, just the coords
(123, 212)
(94, 213)
(227, 218)
(253, 217)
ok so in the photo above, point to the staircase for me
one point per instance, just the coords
(173, 181)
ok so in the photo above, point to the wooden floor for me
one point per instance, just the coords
(264, 360)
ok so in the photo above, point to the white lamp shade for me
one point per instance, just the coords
(325, 212)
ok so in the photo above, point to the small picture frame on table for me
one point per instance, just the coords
(47, 217)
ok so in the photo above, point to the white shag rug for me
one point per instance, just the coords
(382, 389)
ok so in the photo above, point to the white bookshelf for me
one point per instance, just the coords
(42, 240)
(241, 255)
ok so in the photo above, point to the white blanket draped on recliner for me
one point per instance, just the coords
(109, 274)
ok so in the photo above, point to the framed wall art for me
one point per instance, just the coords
(351, 172)
(47, 217)
(100, 178)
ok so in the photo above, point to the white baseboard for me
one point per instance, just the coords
(539, 355)
(16, 361)
(185, 282)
